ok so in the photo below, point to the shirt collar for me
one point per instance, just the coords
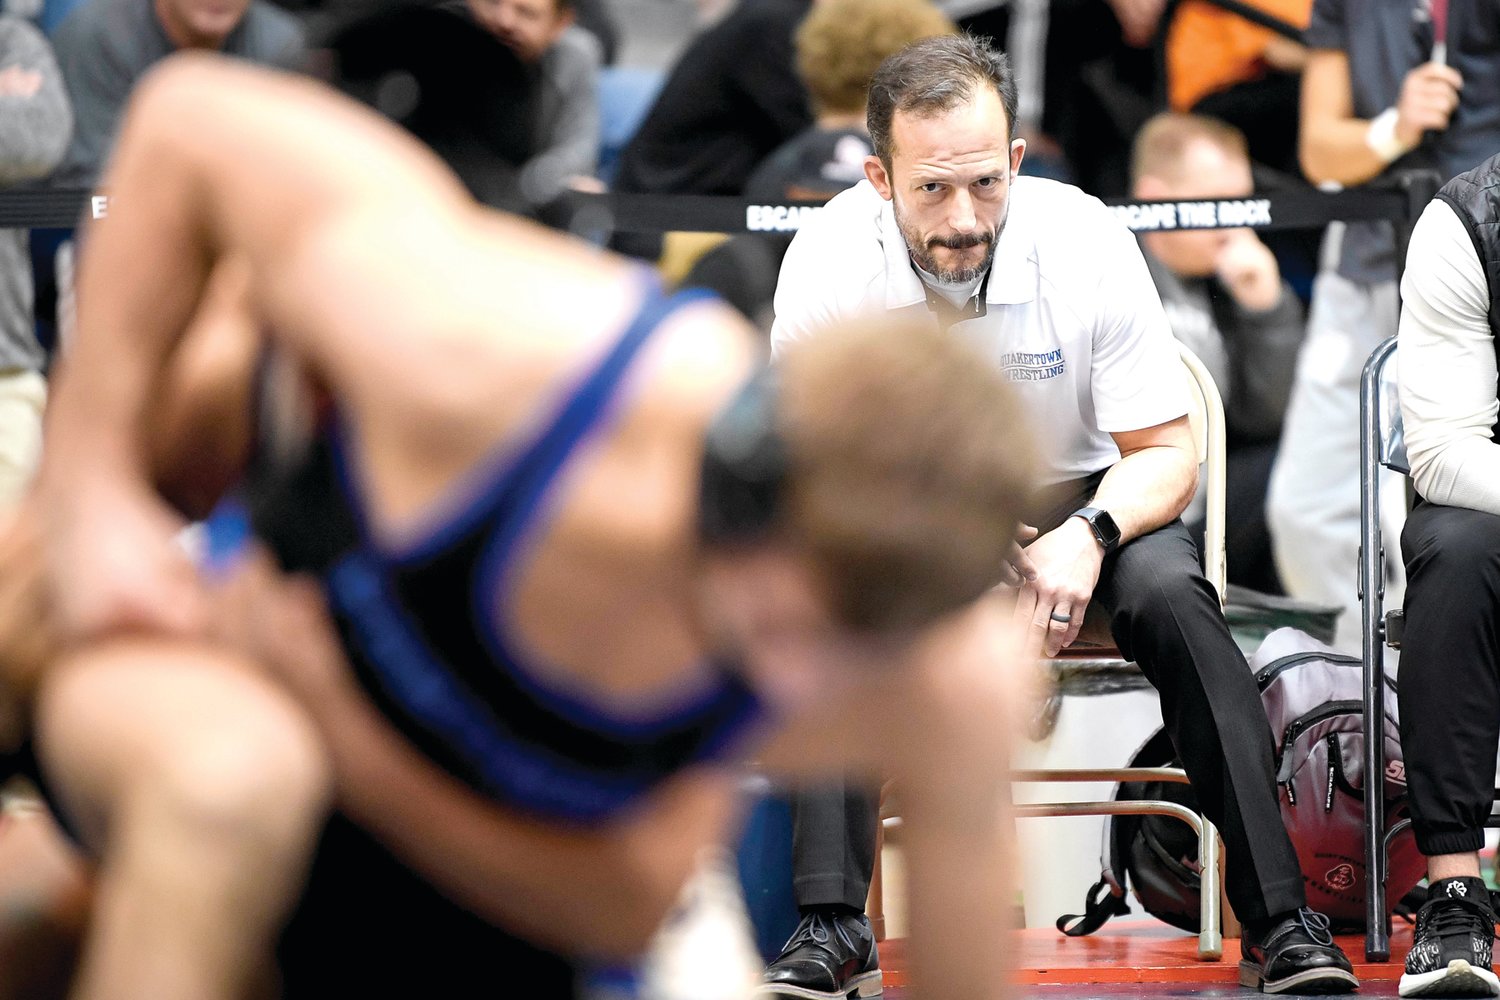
(1013, 274)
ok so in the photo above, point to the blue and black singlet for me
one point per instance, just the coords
(421, 625)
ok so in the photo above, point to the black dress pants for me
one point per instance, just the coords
(1449, 690)
(1165, 616)
(833, 844)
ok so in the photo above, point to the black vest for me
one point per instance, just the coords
(1475, 197)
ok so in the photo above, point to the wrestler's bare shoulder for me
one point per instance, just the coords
(562, 301)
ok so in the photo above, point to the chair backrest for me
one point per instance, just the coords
(1207, 421)
(1392, 453)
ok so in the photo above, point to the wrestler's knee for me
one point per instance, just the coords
(263, 779)
(186, 736)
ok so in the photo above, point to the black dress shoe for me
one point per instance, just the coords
(829, 957)
(1296, 955)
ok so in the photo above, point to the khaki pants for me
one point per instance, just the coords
(23, 397)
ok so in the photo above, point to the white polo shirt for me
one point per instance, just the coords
(1070, 312)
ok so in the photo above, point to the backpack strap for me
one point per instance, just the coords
(1102, 902)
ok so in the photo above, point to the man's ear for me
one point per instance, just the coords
(877, 175)
(1017, 154)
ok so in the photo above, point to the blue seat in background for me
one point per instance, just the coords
(626, 94)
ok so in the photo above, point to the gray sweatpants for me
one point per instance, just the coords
(1312, 506)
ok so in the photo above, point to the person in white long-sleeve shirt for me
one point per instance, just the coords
(1450, 663)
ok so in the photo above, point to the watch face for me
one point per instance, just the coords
(1103, 526)
(1108, 531)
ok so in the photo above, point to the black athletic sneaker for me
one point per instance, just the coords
(830, 957)
(1296, 955)
(1450, 952)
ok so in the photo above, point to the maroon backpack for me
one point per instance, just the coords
(1313, 700)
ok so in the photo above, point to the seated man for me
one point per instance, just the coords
(35, 122)
(575, 561)
(105, 46)
(566, 61)
(732, 97)
(1052, 288)
(1225, 300)
(1450, 332)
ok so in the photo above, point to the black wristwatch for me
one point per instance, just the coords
(1103, 526)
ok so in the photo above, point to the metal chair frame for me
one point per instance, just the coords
(1208, 434)
(1382, 444)
(1377, 630)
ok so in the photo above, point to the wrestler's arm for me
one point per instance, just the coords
(198, 438)
(949, 754)
(213, 159)
(939, 728)
(600, 890)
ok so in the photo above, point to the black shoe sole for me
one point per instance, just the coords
(1313, 982)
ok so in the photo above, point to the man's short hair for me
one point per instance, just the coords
(908, 465)
(1162, 143)
(934, 76)
(842, 42)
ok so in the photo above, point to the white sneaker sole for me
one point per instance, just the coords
(1459, 979)
(866, 984)
(1314, 981)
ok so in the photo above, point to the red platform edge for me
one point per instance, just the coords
(1130, 951)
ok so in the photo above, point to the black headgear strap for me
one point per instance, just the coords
(744, 466)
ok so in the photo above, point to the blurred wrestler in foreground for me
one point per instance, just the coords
(574, 561)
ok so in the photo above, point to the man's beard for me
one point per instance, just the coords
(923, 252)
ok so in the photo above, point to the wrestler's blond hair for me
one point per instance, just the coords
(909, 464)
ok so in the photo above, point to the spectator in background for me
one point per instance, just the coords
(105, 46)
(1226, 301)
(567, 59)
(732, 98)
(838, 48)
(35, 122)
(1098, 79)
(1222, 65)
(1377, 96)
(437, 73)
(596, 17)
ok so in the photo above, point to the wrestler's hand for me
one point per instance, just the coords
(115, 563)
(1067, 561)
(280, 622)
(28, 627)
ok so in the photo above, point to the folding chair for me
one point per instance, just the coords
(1207, 419)
(1382, 444)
